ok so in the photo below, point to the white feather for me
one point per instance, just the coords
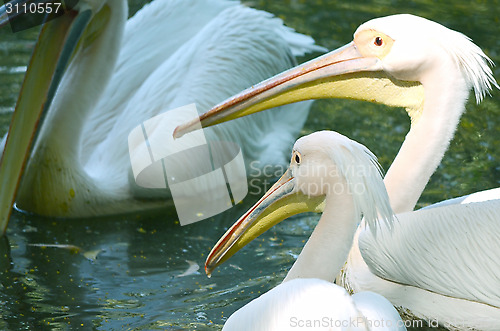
(424, 247)
(315, 304)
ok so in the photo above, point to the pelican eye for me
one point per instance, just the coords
(378, 41)
(297, 158)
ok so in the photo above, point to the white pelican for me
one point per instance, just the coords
(315, 304)
(171, 53)
(448, 270)
(325, 166)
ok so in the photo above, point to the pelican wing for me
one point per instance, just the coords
(150, 38)
(491, 194)
(179, 52)
(451, 250)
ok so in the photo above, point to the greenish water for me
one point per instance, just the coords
(126, 272)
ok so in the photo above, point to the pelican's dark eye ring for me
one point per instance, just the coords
(297, 158)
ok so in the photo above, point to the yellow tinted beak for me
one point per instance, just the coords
(290, 86)
(281, 201)
(56, 43)
(342, 73)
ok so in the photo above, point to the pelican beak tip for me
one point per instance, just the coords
(208, 270)
(178, 132)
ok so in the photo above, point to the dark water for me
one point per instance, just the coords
(129, 272)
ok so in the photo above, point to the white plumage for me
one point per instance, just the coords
(440, 235)
(315, 304)
(437, 264)
(410, 62)
(324, 164)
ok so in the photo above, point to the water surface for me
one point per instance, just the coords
(139, 271)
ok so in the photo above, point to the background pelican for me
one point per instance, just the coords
(322, 167)
(431, 79)
(80, 164)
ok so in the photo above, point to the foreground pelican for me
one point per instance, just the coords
(322, 168)
(315, 304)
(327, 173)
(79, 165)
(448, 270)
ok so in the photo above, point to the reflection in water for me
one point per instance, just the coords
(135, 271)
(139, 271)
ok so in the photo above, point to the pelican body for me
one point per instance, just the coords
(321, 174)
(97, 76)
(448, 270)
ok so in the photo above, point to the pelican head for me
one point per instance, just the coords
(391, 60)
(412, 48)
(324, 167)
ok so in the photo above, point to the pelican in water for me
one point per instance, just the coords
(439, 263)
(113, 74)
(322, 170)
(330, 173)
